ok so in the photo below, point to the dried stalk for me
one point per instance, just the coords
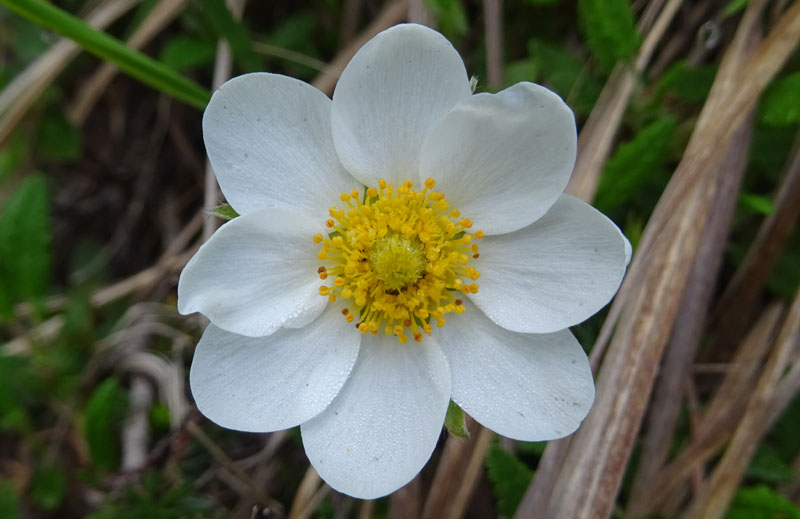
(741, 295)
(223, 65)
(446, 480)
(161, 15)
(309, 486)
(18, 97)
(723, 412)
(712, 502)
(493, 24)
(232, 468)
(666, 404)
(598, 454)
(599, 133)
(469, 479)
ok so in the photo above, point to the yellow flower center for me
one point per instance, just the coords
(400, 257)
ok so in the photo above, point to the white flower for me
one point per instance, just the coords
(342, 223)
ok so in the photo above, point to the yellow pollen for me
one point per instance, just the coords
(398, 258)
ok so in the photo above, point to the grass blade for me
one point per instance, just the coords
(141, 67)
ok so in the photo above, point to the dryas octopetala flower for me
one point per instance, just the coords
(405, 244)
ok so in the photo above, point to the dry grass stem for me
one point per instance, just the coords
(493, 23)
(474, 469)
(666, 403)
(223, 64)
(714, 499)
(598, 135)
(18, 97)
(741, 295)
(668, 488)
(599, 452)
(308, 487)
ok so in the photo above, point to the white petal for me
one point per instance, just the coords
(380, 430)
(270, 383)
(256, 273)
(554, 273)
(529, 387)
(389, 97)
(268, 138)
(503, 159)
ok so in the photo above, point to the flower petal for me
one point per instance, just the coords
(503, 159)
(269, 141)
(265, 384)
(554, 273)
(529, 387)
(256, 273)
(389, 97)
(380, 430)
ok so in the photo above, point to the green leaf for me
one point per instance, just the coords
(185, 53)
(509, 477)
(455, 422)
(780, 105)
(451, 16)
(761, 503)
(19, 389)
(768, 466)
(634, 163)
(58, 139)
(565, 74)
(49, 486)
(11, 154)
(25, 235)
(9, 501)
(609, 29)
(523, 70)
(757, 203)
(733, 7)
(689, 85)
(223, 23)
(543, 2)
(138, 65)
(104, 413)
(224, 211)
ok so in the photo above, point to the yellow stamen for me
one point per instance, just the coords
(398, 258)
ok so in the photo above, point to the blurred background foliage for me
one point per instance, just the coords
(92, 205)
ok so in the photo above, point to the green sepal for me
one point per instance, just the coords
(224, 211)
(455, 421)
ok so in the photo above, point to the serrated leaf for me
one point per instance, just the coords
(184, 53)
(224, 211)
(25, 236)
(761, 503)
(104, 412)
(609, 29)
(633, 163)
(780, 105)
(455, 422)
(509, 477)
(49, 486)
